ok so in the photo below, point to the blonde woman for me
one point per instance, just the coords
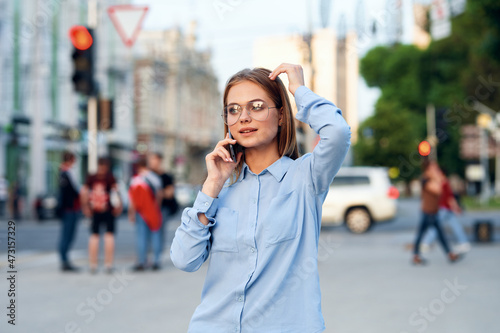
(259, 215)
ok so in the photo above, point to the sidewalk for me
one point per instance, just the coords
(368, 285)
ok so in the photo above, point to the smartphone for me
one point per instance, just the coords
(234, 149)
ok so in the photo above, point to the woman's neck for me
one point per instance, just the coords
(259, 159)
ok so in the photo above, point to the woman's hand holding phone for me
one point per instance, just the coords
(219, 167)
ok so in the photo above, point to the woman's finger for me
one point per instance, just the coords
(225, 142)
(227, 156)
(295, 75)
(289, 69)
(278, 70)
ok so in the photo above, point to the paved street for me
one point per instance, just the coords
(368, 284)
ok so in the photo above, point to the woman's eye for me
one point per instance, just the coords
(257, 107)
(233, 110)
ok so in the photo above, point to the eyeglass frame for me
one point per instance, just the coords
(243, 108)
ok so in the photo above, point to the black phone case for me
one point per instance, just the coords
(234, 150)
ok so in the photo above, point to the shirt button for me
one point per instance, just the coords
(252, 249)
(254, 201)
(206, 203)
(240, 299)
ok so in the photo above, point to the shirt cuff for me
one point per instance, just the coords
(300, 92)
(206, 204)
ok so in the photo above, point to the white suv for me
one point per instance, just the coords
(360, 196)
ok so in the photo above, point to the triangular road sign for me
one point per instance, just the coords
(127, 20)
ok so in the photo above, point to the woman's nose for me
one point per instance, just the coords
(245, 117)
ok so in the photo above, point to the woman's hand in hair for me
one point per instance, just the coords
(219, 167)
(295, 75)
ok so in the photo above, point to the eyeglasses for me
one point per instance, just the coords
(257, 110)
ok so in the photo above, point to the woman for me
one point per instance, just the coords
(259, 216)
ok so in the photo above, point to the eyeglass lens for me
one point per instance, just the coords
(258, 110)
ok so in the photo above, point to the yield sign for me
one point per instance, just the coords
(127, 20)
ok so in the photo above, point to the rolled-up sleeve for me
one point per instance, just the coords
(335, 136)
(191, 244)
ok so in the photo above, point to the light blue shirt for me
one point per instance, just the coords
(263, 236)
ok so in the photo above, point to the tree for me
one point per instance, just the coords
(388, 139)
(391, 135)
(451, 73)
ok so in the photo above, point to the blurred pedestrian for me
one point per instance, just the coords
(432, 188)
(145, 211)
(449, 210)
(68, 209)
(169, 205)
(97, 203)
(15, 199)
(258, 215)
(4, 195)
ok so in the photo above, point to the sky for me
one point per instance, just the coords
(229, 28)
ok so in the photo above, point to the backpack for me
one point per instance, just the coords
(142, 195)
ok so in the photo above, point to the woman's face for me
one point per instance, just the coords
(249, 132)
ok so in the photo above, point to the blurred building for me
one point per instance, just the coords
(41, 115)
(330, 69)
(421, 38)
(178, 105)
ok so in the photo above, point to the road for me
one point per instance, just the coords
(368, 284)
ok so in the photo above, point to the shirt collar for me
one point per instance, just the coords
(278, 169)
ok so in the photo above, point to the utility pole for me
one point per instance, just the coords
(431, 130)
(488, 120)
(485, 184)
(92, 101)
(37, 110)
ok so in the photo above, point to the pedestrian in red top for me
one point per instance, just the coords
(432, 185)
(449, 209)
(144, 210)
(96, 201)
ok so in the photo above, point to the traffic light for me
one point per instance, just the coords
(83, 59)
(424, 148)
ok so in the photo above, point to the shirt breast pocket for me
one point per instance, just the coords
(281, 222)
(224, 231)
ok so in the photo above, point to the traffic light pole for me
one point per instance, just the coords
(431, 130)
(92, 133)
(92, 102)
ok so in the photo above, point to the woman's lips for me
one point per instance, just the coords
(247, 131)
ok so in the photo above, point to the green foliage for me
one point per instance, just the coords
(450, 74)
(393, 132)
(388, 137)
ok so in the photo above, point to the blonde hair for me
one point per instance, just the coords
(275, 89)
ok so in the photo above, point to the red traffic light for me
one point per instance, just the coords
(424, 148)
(80, 37)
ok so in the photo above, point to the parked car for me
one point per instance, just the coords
(359, 197)
(185, 194)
